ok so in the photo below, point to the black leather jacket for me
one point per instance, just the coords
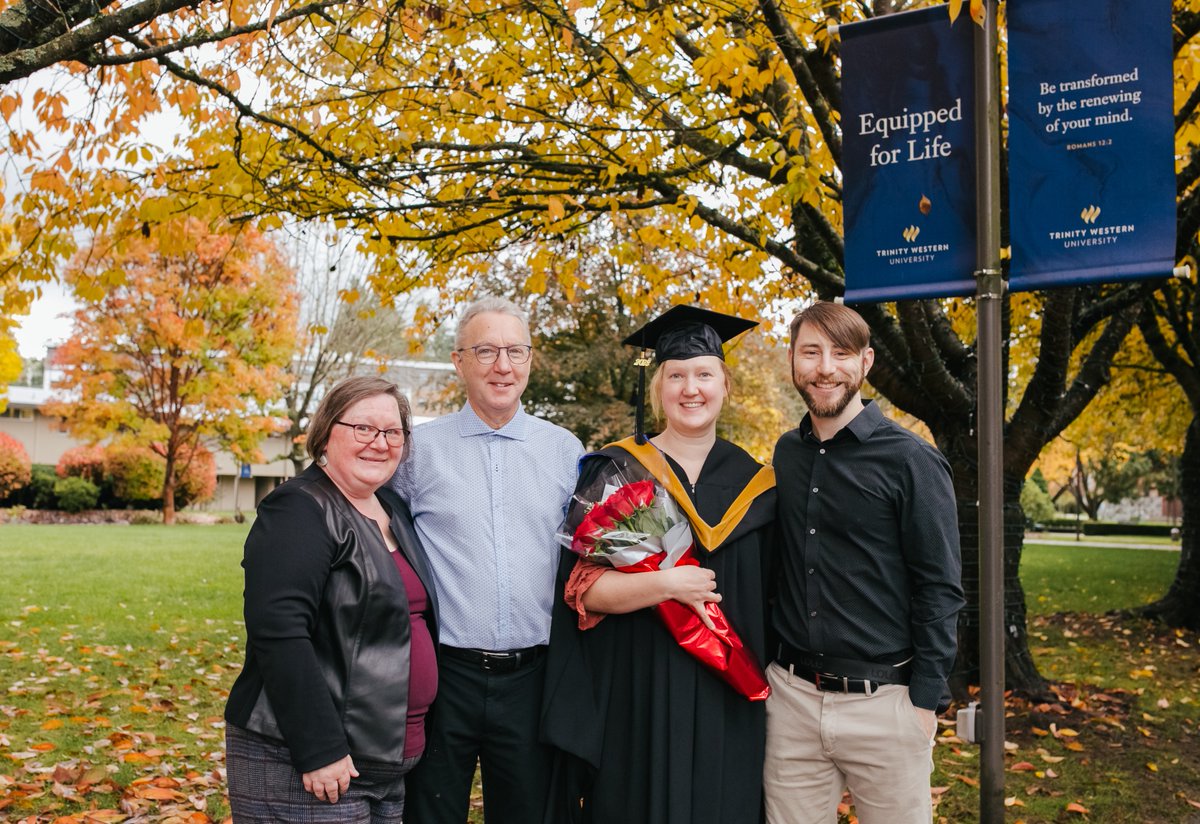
(327, 650)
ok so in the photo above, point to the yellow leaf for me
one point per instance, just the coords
(955, 9)
(1151, 766)
(978, 12)
(554, 205)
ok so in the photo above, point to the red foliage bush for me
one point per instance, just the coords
(85, 462)
(15, 466)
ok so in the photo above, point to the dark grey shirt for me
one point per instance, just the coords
(869, 554)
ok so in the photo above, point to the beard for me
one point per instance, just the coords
(827, 408)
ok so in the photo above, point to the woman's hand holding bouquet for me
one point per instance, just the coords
(636, 527)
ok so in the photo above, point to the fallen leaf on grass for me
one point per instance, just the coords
(1151, 766)
(1022, 766)
(1076, 807)
(1013, 801)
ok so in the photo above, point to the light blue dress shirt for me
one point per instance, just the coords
(487, 504)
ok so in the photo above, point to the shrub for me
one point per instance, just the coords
(82, 462)
(199, 482)
(40, 492)
(137, 473)
(1036, 503)
(76, 494)
(15, 466)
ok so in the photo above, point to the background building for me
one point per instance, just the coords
(239, 486)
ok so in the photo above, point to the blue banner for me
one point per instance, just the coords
(908, 156)
(1091, 141)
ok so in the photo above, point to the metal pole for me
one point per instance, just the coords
(990, 294)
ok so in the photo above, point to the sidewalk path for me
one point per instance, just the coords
(1086, 542)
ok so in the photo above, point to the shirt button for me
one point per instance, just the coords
(815, 489)
(822, 451)
(812, 614)
(812, 532)
(812, 571)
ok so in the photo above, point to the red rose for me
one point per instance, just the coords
(626, 501)
(591, 529)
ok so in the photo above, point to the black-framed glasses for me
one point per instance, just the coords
(365, 433)
(486, 353)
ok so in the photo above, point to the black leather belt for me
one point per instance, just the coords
(496, 662)
(830, 674)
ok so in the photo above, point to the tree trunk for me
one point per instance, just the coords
(1020, 671)
(168, 493)
(1180, 607)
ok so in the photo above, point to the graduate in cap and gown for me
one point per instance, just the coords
(645, 733)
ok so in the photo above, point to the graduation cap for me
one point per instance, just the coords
(680, 333)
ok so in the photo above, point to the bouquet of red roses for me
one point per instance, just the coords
(637, 527)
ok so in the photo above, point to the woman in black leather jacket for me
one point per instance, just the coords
(328, 712)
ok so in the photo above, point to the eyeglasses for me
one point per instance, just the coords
(485, 353)
(365, 433)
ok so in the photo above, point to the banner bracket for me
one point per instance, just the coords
(990, 283)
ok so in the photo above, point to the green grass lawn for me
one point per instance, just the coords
(118, 645)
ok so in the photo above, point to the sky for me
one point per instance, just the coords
(46, 324)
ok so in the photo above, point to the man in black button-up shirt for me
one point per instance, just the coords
(869, 593)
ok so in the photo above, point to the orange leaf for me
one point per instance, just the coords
(978, 12)
(52, 724)
(1076, 807)
(955, 9)
(136, 758)
(1022, 766)
(160, 794)
(43, 747)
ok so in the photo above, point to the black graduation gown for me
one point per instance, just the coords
(645, 733)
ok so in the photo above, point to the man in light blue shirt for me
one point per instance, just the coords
(488, 488)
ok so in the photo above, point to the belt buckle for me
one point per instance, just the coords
(496, 661)
(828, 682)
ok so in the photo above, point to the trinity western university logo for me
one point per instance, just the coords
(911, 253)
(1091, 233)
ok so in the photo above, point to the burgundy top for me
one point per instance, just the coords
(422, 678)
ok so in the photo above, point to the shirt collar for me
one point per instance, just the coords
(469, 423)
(861, 426)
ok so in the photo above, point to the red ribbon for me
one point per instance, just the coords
(720, 649)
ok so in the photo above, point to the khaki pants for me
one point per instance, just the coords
(819, 743)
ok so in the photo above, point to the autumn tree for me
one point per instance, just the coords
(449, 134)
(187, 345)
(478, 128)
